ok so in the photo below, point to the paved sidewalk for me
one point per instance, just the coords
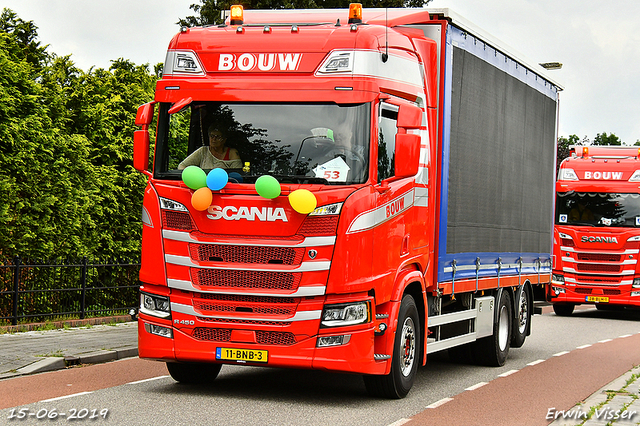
(38, 351)
(617, 403)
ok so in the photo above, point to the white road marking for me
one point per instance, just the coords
(65, 397)
(147, 380)
(439, 403)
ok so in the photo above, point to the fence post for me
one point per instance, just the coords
(16, 287)
(84, 286)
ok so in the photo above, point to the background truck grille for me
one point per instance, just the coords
(594, 267)
(246, 254)
(599, 257)
(245, 279)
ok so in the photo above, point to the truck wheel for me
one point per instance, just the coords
(193, 373)
(404, 361)
(493, 350)
(522, 319)
(563, 309)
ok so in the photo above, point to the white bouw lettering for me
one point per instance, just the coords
(263, 62)
(603, 175)
(246, 62)
(289, 61)
(268, 214)
(266, 66)
(226, 62)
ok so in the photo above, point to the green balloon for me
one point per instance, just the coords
(268, 186)
(194, 177)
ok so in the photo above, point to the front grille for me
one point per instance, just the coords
(586, 267)
(245, 279)
(583, 290)
(246, 254)
(216, 334)
(279, 338)
(597, 280)
(239, 321)
(319, 225)
(610, 291)
(244, 308)
(177, 220)
(599, 257)
(275, 338)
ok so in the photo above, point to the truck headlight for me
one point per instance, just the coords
(157, 306)
(557, 278)
(345, 314)
(636, 283)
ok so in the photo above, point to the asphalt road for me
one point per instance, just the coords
(555, 358)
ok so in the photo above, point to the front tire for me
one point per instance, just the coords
(193, 373)
(404, 361)
(563, 309)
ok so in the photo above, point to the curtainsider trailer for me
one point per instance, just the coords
(347, 190)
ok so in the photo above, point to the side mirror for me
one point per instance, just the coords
(407, 155)
(144, 117)
(409, 117)
(141, 150)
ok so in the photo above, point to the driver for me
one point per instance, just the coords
(216, 155)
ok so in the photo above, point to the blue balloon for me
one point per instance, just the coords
(217, 179)
(235, 176)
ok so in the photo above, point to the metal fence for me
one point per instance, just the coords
(38, 291)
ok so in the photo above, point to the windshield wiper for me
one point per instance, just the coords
(301, 179)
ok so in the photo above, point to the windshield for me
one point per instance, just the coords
(598, 209)
(295, 143)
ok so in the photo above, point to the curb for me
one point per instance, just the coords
(61, 363)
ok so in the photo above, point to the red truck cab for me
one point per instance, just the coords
(597, 229)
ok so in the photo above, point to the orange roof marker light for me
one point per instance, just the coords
(585, 151)
(355, 13)
(237, 15)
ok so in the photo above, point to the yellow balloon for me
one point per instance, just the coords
(201, 199)
(303, 201)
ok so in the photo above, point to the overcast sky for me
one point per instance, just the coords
(598, 44)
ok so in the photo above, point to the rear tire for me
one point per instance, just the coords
(193, 373)
(563, 309)
(404, 361)
(522, 321)
(493, 350)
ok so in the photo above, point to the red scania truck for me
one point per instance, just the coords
(392, 196)
(597, 230)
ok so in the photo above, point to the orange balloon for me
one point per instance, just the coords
(201, 199)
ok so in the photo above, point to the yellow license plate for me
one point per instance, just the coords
(235, 354)
(598, 299)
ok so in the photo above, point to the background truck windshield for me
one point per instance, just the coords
(296, 143)
(598, 209)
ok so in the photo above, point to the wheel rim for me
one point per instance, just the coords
(407, 347)
(523, 312)
(503, 328)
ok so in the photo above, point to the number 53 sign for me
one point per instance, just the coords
(335, 170)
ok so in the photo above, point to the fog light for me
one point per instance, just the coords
(324, 341)
(159, 330)
(557, 290)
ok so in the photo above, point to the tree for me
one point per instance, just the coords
(208, 12)
(66, 177)
(604, 139)
(563, 148)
